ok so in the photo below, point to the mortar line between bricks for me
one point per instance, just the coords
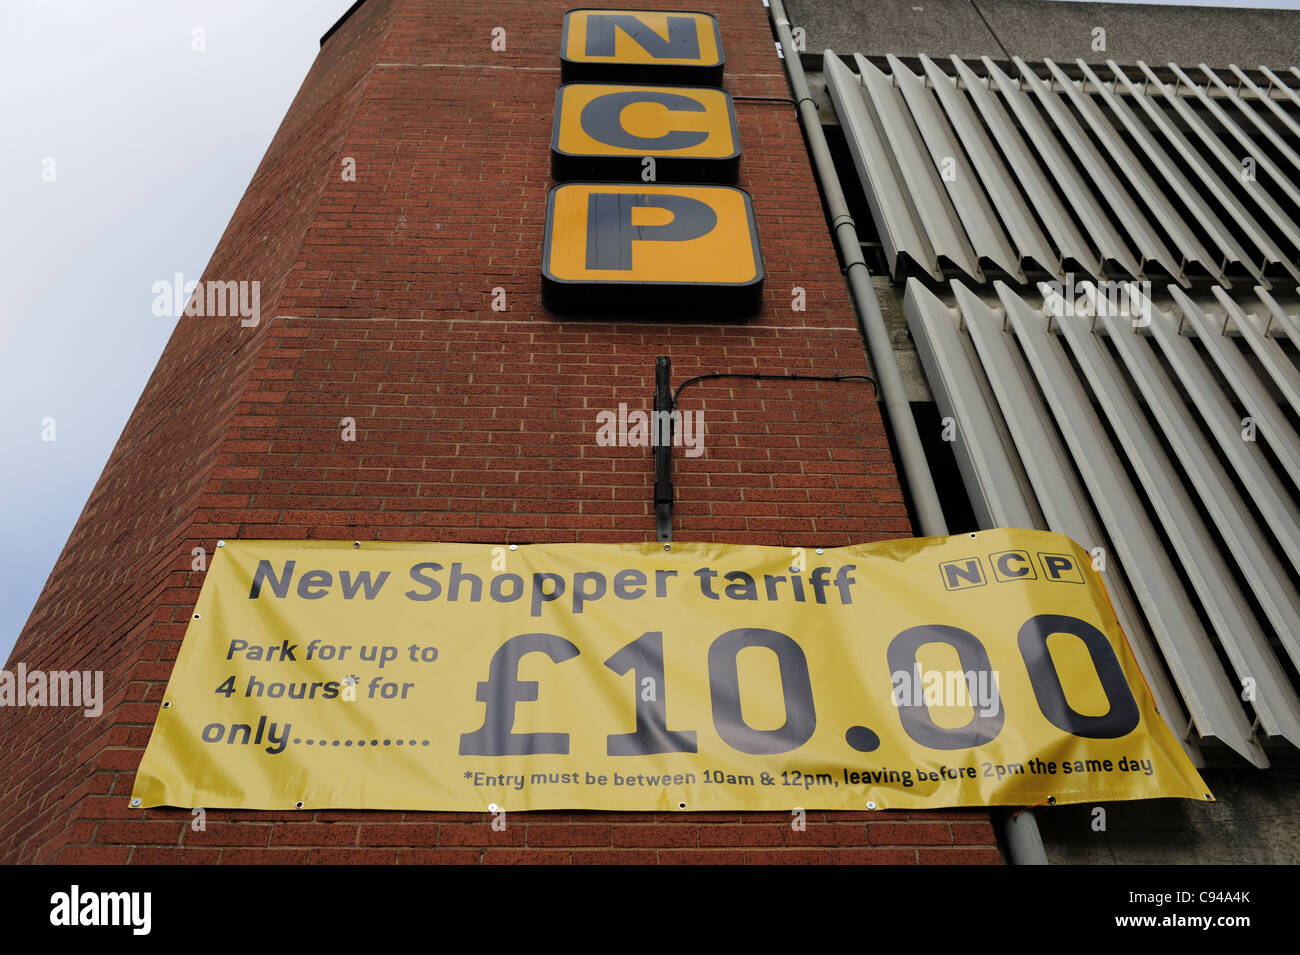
(464, 66)
(508, 66)
(542, 322)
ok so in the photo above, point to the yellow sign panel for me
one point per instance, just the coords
(641, 46)
(629, 677)
(685, 248)
(605, 131)
(638, 232)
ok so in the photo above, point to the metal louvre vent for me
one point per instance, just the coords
(1041, 169)
(1162, 439)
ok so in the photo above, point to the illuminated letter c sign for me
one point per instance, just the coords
(604, 131)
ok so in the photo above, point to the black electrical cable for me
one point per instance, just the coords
(762, 377)
(766, 99)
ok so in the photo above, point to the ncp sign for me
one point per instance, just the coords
(641, 46)
(626, 241)
(614, 247)
(605, 131)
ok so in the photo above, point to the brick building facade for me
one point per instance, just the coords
(473, 425)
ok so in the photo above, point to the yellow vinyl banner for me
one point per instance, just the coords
(982, 669)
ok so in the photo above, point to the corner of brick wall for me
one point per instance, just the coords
(473, 426)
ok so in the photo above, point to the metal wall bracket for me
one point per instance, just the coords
(663, 447)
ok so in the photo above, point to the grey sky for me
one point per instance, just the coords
(153, 144)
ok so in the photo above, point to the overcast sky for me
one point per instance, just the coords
(153, 142)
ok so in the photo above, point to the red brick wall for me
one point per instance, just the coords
(472, 425)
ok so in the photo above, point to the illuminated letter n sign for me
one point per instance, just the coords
(641, 46)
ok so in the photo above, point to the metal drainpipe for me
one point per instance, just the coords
(1024, 843)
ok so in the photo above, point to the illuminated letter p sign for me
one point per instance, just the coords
(637, 248)
(611, 231)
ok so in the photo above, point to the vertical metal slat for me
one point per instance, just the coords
(1276, 82)
(1246, 109)
(1188, 652)
(1031, 245)
(1266, 99)
(1288, 322)
(1190, 156)
(1074, 251)
(977, 218)
(1247, 460)
(1253, 151)
(1268, 351)
(1162, 211)
(998, 490)
(1171, 173)
(1213, 582)
(1282, 438)
(1215, 145)
(1115, 254)
(900, 233)
(1214, 486)
(925, 192)
(1063, 501)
